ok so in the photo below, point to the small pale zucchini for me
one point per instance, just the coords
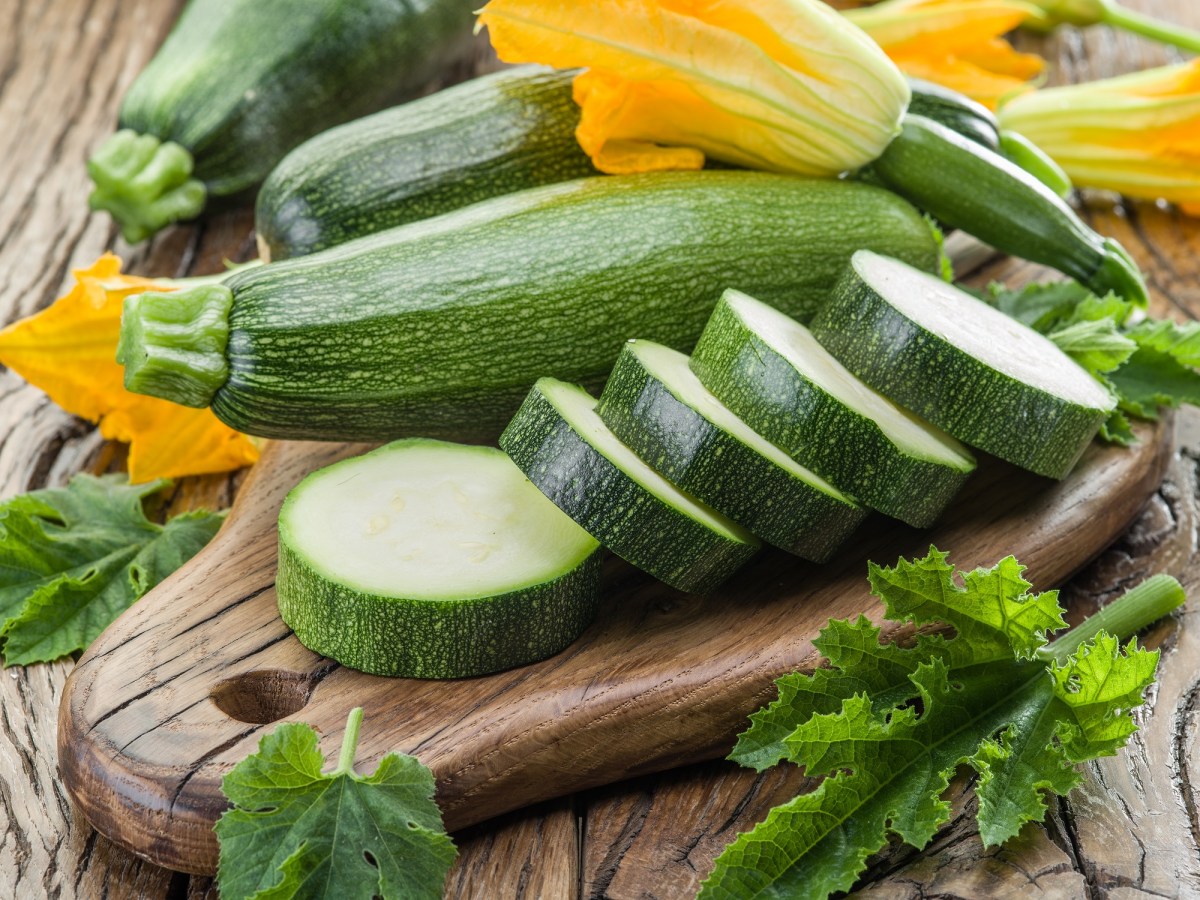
(773, 374)
(656, 405)
(426, 559)
(565, 449)
(982, 376)
(494, 135)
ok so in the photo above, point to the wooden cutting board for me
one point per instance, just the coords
(184, 684)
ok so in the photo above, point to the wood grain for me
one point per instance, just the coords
(63, 67)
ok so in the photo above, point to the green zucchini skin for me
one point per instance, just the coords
(964, 396)
(815, 428)
(440, 327)
(442, 639)
(494, 135)
(956, 111)
(719, 470)
(239, 83)
(964, 185)
(431, 638)
(614, 508)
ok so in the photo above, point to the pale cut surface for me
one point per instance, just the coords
(979, 330)
(431, 520)
(795, 343)
(578, 408)
(671, 368)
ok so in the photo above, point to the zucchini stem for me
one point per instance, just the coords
(1155, 29)
(173, 344)
(144, 183)
(345, 764)
(1123, 618)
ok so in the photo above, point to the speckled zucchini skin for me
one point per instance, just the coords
(957, 112)
(716, 468)
(439, 327)
(435, 638)
(960, 394)
(614, 508)
(241, 82)
(848, 449)
(494, 135)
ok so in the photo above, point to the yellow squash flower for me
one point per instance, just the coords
(69, 351)
(780, 85)
(1137, 134)
(956, 43)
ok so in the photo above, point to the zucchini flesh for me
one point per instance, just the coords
(982, 376)
(565, 449)
(432, 560)
(239, 83)
(440, 327)
(657, 406)
(772, 373)
(494, 135)
(967, 186)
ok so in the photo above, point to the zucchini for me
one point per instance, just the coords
(239, 83)
(494, 135)
(657, 406)
(982, 376)
(432, 560)
(967, 186)
(565, 449)
(956, 111)
(772, 373)
(1037, 162)
(440, 327)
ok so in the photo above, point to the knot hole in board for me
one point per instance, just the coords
(264, 695)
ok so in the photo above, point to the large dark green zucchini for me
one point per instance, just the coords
(440, 327)
(494, 135)
(239, 83)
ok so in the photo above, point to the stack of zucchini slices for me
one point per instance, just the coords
(439, 560)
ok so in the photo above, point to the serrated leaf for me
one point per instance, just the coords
(1095, 344)
(1151, 379)
(1041, 305)
(1117, 429)
(990, 697)
(295, 832)
(72, 559)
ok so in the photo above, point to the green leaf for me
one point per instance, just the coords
(72, 559)
(888, 726)
(297, 833)
(1117, 430)
(1095, 344)
(1041, 305)
(1152, 379)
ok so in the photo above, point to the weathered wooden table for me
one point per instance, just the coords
(1132, 830)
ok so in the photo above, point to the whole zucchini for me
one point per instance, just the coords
(440, 327)
(239, 83)
(493, 135)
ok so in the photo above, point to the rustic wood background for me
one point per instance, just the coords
(1133, 830)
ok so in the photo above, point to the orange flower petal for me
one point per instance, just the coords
(68, 350)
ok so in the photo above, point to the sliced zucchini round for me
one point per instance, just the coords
(984, 377)
(770, 370)
(427, 559)
(657, 406)
(565, 449)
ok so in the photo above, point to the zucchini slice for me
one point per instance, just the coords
(561, 444)
(657, 406)
(427, 559)
(968, 368)
(770, 370)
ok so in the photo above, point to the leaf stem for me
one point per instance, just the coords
(1149, 27)
(345, 764)
(1123, 618)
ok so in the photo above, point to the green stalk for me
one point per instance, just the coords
(1123, 618)
(1154, 29)
(345, 764)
